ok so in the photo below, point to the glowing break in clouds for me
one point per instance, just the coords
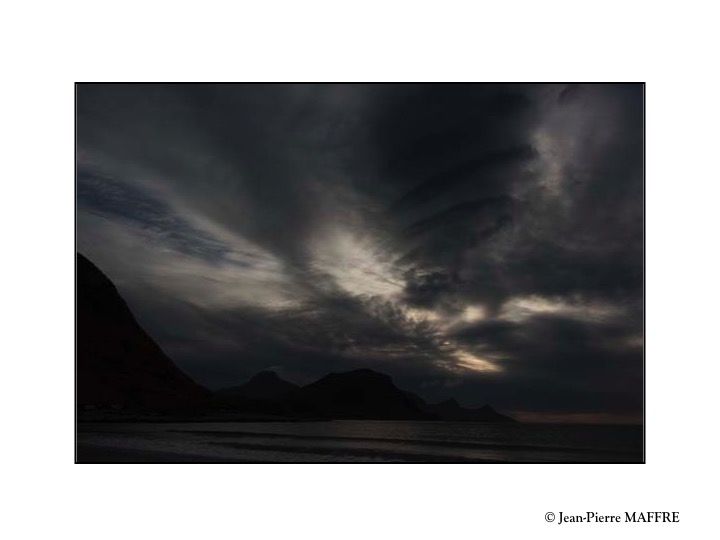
(521, 308)
(356, 265)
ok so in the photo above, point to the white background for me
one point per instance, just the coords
(46, 46)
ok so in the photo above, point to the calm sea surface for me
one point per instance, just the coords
(357, 441)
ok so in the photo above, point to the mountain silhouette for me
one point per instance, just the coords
(266, 385)
(119, 365)
(451, 410)
(362, 393)
(359, 394)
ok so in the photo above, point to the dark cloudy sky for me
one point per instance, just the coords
(477, 241)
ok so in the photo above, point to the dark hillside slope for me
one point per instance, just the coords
(118, 363)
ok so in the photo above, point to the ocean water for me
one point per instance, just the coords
(348, 441)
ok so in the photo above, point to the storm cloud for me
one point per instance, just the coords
(483, 241)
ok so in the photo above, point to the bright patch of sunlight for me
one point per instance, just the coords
(356, 265)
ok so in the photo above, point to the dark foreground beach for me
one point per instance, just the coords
(355, 441)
